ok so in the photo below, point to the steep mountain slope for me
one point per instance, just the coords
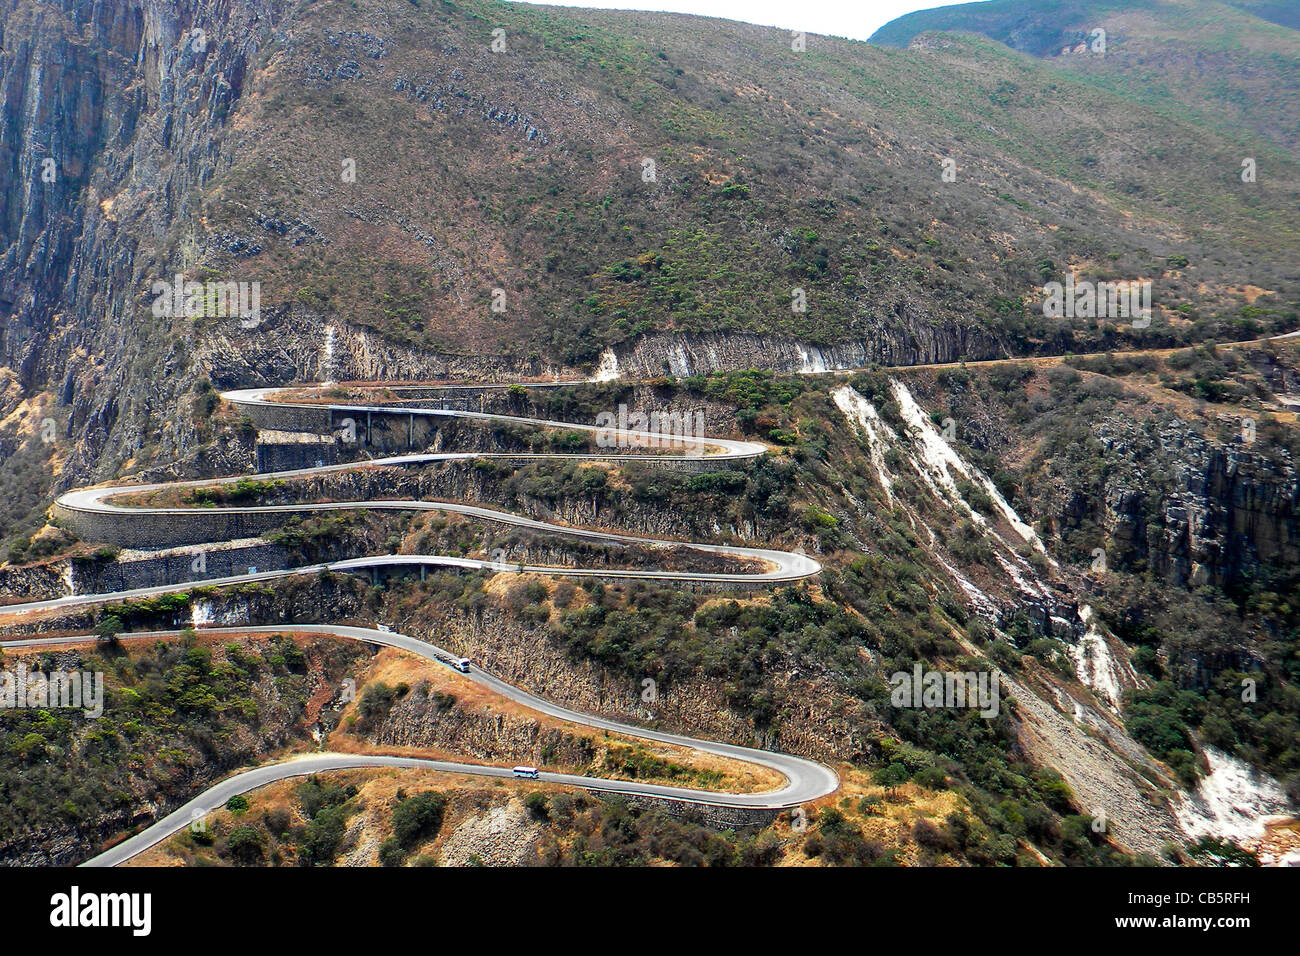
(778, 175)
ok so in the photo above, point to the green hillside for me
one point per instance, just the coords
(526, 171)
(1230, 64)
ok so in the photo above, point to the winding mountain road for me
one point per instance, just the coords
(805, 779)
(782, 567)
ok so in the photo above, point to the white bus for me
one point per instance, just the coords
(529, 772)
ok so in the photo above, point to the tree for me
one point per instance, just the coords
(892, 775)
(108, 629)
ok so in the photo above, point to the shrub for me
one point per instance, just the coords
(323, 836)
(418, 818)
(245, 844)
(376, 701)
(932, 778)
(391, 853)
(538, 805)
(932, 837)
(892, 775)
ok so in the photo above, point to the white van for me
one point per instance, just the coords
(529, 772)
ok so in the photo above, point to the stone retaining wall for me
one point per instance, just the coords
(723, 818)
(175, 567)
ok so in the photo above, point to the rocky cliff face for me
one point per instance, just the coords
(296, 344)
(1196, 511)
(824, 724)
(421, 719)
(113, 121)
(914, 340)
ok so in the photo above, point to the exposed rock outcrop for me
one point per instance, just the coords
(908, 343)
(1197, 511)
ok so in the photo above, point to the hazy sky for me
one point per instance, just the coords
(857, 19)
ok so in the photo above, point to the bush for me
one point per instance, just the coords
(418, 818)
(932, 778)
(323, 836)
(563, 595)
(277, 821)
(315, 796)
(763, 850)
(108, 628)
(538, 805)
(391, 853)
(1004, 655)
(938, 839)
(376, 701)
(1211, 852)
(245, 844)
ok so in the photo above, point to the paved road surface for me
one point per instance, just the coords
(805, 780)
